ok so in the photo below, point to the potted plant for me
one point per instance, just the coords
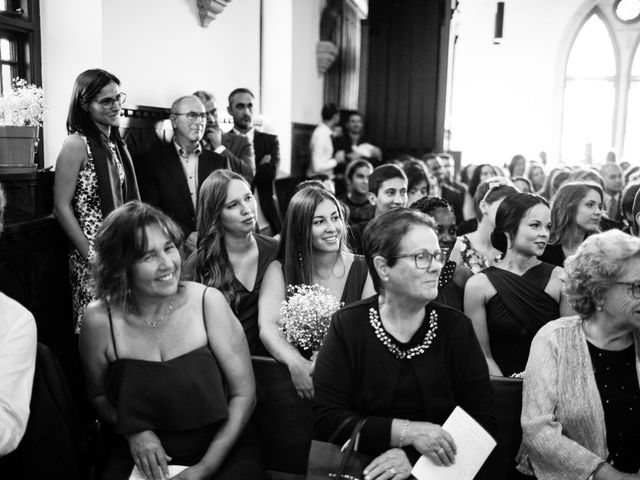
(21, 113)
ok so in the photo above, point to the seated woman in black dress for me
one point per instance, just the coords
(230, 256)
(167, 363)
(509, 302)
(399, 360)
(575, 213)
(312, 251)
(453, 277)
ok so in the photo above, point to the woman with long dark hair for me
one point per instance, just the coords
(575, 213)
(313, 250)
(94, 173)
(230, 256)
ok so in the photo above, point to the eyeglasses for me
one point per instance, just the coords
(109, 102)
(635, 287)
(424, 259)
(193, 116)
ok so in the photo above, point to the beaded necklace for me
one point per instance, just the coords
(374, 320)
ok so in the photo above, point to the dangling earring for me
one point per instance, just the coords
(300, 257)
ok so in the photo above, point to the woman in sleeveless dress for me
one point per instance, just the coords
(167, 363)
(509, 302)
(575, 214)
(474, 250)
(312, 251)
(94, 174)
(230, 256)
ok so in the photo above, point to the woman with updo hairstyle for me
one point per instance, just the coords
(580, 412)
(166, 361)
(474, 250)
(510, 301)
(398, 359)
(453, 277)
(575, 214)
(230, 256)
(313, 251)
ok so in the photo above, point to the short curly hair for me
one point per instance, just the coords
(597, 262)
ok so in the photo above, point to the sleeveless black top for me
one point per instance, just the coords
(516, 313)
(356, 278)
(181, 399)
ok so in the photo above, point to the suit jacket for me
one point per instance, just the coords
(265, 144)
(163, 183)
(239, 148)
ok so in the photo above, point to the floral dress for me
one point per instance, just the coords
(88, 212)
(471, 258)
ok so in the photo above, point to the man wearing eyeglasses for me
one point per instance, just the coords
(267, 158)
(170, 176)
(229, 146)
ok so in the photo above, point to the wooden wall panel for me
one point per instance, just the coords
(402, 81)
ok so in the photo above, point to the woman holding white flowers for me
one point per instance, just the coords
(313, 250)
(398, 359)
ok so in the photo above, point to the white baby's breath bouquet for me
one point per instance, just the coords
(23, 105)
(305, 315)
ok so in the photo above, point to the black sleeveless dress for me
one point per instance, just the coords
(516, 313)
(182, 400)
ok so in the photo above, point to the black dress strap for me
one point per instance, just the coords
(204, 317)
(113, 337)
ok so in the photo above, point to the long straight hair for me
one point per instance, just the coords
(565, 207)
(212, 265)
(296, 244)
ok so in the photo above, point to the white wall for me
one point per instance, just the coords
(308, 84)
(505, 97)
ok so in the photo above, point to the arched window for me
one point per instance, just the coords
(589, 92)
(601, 104)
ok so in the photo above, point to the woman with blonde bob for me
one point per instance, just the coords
(575, 214)
(230, 256)
(580, 410)
(313, 250)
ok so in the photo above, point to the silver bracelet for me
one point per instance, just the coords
(403, 432)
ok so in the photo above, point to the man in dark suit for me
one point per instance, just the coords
(169, 177)
(236, 147)
(267, 156)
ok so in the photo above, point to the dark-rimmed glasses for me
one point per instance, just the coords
(109, 102)
(424, 259)
(193, 116)
(635, 287)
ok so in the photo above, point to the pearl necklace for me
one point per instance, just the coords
(156, 323)
(374, 320)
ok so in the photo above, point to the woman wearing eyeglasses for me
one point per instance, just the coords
(580, 405)
(94, 174)
(399, 359)
(474, 250)
(510, 301)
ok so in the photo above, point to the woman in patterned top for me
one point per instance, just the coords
(474, 250)
(94, 173)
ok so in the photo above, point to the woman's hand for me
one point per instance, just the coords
(300, 371)
(197, 472)
(433, 441)
(148, 455)
(391, 465)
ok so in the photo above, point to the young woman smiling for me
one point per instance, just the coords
(312, 251)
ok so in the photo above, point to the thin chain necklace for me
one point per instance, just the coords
(156, 323)
(374, 320)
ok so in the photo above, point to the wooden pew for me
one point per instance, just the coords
(283, 421)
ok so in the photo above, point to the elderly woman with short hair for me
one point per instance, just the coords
(398, 359)
(581, 409)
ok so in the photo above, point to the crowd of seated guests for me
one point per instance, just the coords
(427, 317)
